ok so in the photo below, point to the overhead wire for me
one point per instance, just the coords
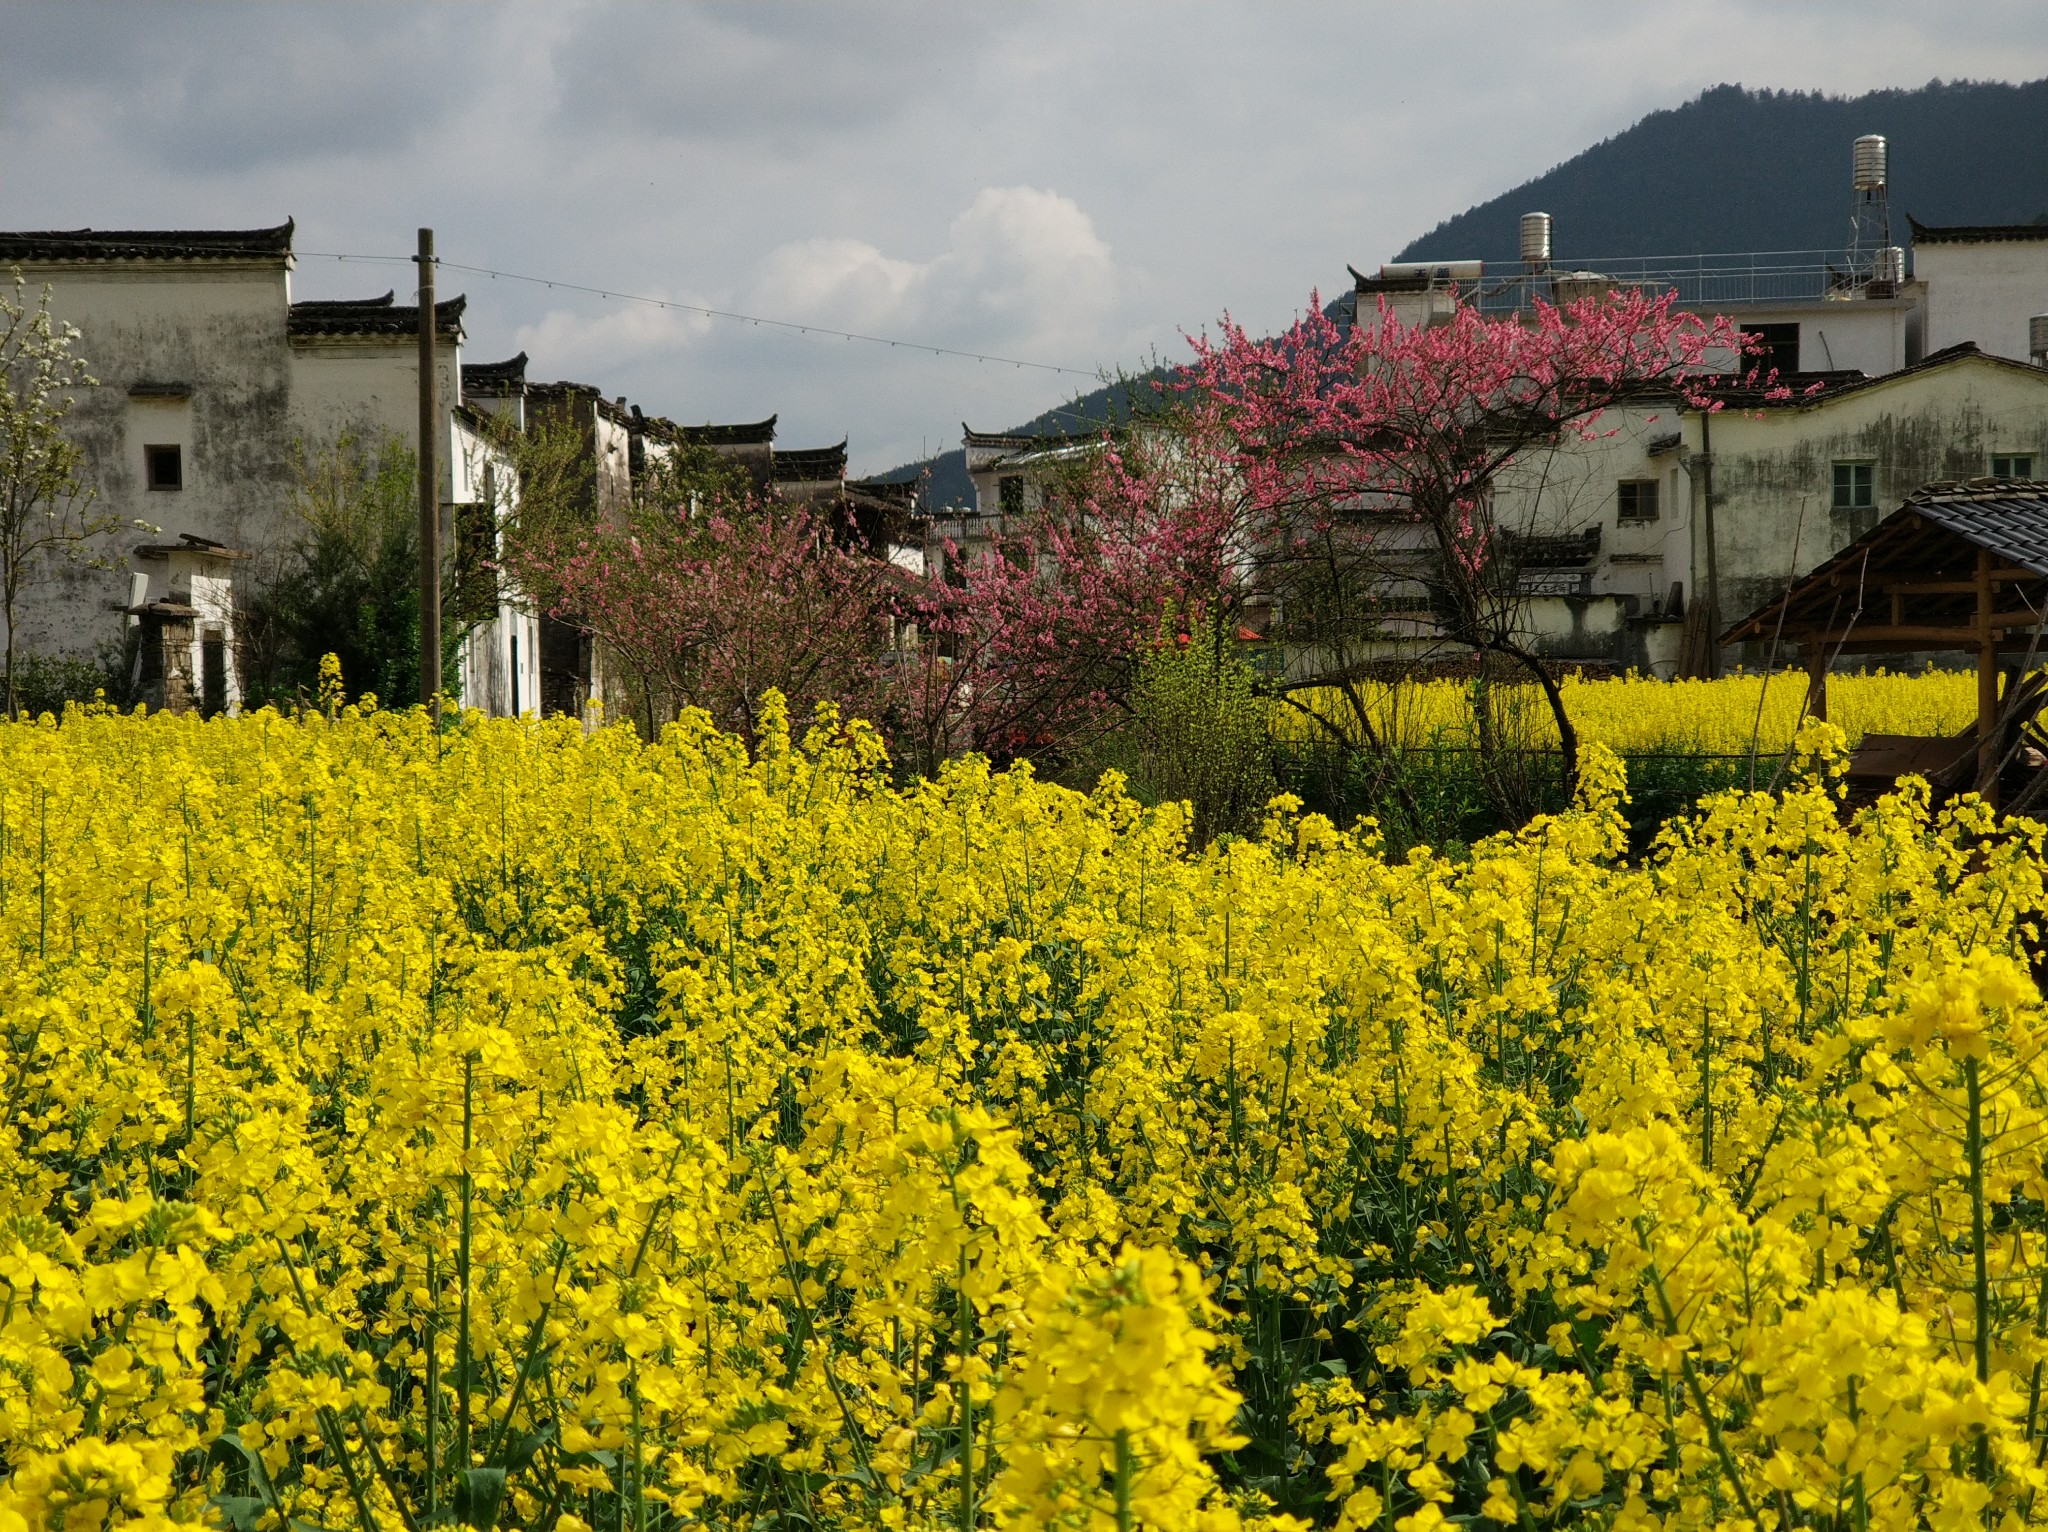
(758, 320)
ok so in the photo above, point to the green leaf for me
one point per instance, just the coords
(519, 1452)
(244, 1462)
(239, 1511)
(478, 1493)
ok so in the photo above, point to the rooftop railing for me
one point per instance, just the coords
(1747, 277)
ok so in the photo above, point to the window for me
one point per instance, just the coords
(1638, 499)
(2012, 465)
(1855, 486)
(164, 467)
(1778, 347)
(1010, 494)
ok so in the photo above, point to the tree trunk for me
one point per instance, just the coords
(1567, 735)
(7, 682)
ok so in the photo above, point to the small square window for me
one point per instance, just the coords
(1775, 347)
(1855, 486)
(164, 466)
(2012, 465)
(1637, 499)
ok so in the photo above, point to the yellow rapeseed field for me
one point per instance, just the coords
(509, 1127)
(1635, 714)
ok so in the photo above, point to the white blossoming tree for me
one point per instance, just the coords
(46, 511)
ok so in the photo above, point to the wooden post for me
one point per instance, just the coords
(1817, 677)
(430, 485)
(1987, 684)
(1713, 591)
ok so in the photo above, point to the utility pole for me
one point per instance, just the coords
(430, 485)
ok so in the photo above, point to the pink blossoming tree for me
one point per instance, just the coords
(1301, 478)
(712, 597)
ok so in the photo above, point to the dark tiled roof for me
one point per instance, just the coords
(148, 244)
(811, 465)
(1736, 392)
(569, 394)
(1836, 384)
(901, 491)
(1570, 550)
(1021, 441)
(1975, 233)
(493, 377)
(2008, 516)
(371, 316)
(1361, 283)
(191, 542)
(757, 434)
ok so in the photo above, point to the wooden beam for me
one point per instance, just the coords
(1908, 636)
(1956, 587)
(1987, 683)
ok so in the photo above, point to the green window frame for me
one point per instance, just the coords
(1855, 486)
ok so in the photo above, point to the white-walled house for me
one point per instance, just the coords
(1983, 284)
(1792, 482)
(211, 386)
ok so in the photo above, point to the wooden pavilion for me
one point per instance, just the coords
(1958, 566)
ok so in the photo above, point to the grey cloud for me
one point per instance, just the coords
(233, 86)
(762, 67)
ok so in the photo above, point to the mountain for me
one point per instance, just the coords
(1738, 170)
(1730, 170)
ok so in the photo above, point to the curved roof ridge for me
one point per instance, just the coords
(147, 244)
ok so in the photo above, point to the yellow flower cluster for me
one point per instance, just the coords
(507, 1126)
(1635, 714)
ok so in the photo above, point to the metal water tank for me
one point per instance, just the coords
(1889, 265)
(1536, 239)
(2037, 338)
(1869, 158)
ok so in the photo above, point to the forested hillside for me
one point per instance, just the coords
(1737, 169)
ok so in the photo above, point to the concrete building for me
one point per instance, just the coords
(1626, 517)
(1983, 283)
(213, 386)
(1010, 473)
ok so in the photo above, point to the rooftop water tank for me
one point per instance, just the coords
(1536, 240)
(2037, 338)
(1889, 265)
(1869, 159)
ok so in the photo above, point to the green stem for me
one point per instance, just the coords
(43, 875)
(964, 1309)
(1126, 1472)
(433, 1388)
(148, 1017)
(462, 1367)
(1973, 1147)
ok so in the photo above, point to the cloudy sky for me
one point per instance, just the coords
(1074, 184)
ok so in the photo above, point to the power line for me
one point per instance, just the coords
(757, 320)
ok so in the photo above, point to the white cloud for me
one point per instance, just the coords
(1023, 268)
(589, 347)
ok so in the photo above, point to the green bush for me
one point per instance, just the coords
(44, 683)
(1198, 734)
